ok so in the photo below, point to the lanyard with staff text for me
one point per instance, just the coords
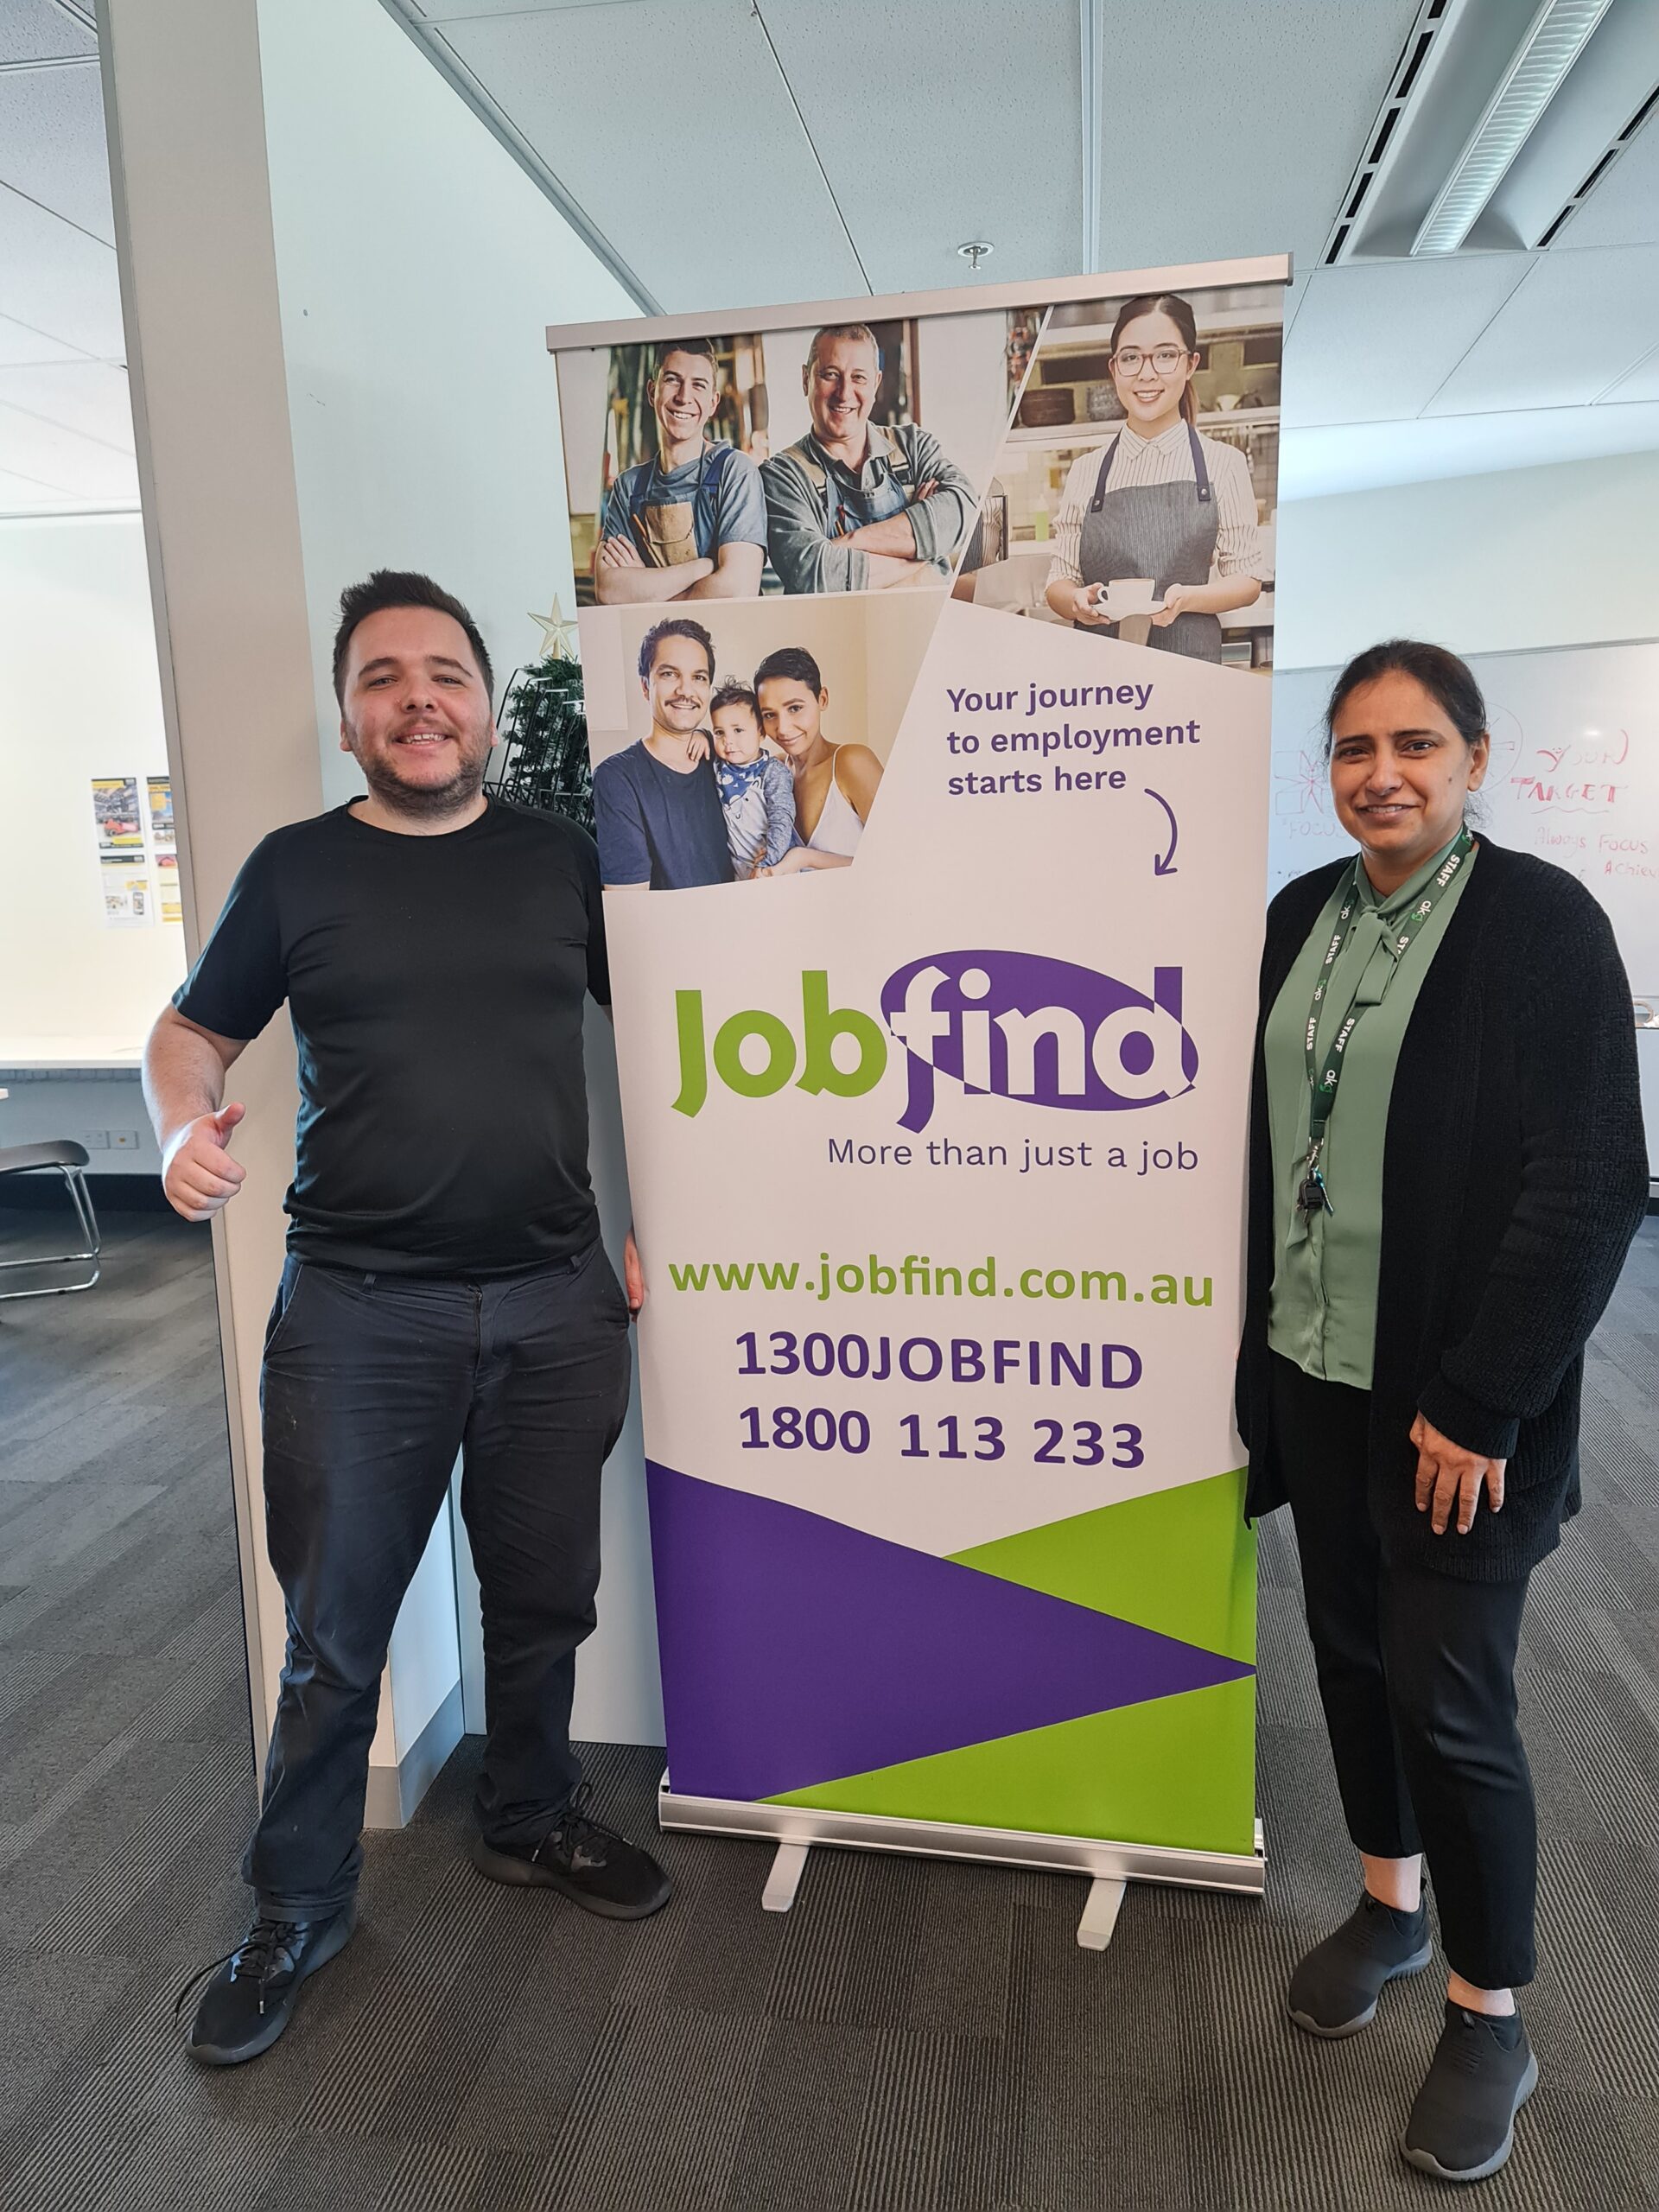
(1322, 1082)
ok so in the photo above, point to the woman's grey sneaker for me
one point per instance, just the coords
(253, 1994)
(1334, 1991)
(602, 1871)
(1463, 2123)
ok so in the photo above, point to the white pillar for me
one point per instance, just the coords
(181, 97)
(336, 285)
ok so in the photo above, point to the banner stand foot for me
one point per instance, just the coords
(788, 1863)
(1100, 1911)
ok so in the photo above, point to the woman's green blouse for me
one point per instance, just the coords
(1322, 1311)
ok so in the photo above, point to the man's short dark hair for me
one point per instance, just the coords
(794, 665)
(701, 347)
(678, 625)
(734, 693)
(402, 587)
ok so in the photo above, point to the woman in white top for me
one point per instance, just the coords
(835, 785)
(1163, 503)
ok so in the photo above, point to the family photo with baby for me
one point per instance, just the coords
(736, 779)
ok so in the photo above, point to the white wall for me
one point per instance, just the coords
(1566, 554)
(80, 697)
(417, 269)
(1513, 561)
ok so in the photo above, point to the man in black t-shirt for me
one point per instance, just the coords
(656, 810)
(445, 1291)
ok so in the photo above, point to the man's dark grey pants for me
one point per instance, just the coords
(372, 1387)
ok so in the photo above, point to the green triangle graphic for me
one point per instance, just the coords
(1175, 1770)
(1180, 1561)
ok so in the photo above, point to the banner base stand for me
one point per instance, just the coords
(1110, 1866)
(1100, 1911)
(788, 1865)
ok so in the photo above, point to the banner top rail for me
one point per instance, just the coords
(892, 306)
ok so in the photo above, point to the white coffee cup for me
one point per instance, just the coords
(1126, 596)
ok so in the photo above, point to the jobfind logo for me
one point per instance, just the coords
(1018, 1024)
(1005, 1025)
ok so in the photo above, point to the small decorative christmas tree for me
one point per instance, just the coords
(543, 753)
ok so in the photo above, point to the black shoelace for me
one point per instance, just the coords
(576, 1836)
(254, 1959)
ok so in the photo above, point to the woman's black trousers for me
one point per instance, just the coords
(1416, 1673)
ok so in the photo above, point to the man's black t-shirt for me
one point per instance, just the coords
(435, 987)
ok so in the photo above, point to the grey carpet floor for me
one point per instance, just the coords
(910, 2036)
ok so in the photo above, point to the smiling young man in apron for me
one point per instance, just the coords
(1165, 506)
(855, 505)
(691, 522)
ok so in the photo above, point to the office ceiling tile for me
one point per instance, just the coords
(1642, 384)
(730, 209)
(56, 279)
(51, 144)
(79, 467)
(22, 495)
(1576, 324)
(34, 30)
(463, 11)
(88, 396)
(1256, 116)
(1623, 209)
(20, 346)
(1374, 341)
(974, 132)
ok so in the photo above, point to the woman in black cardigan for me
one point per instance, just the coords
(1447, 1167)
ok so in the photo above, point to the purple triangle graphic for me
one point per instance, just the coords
(796, 1650)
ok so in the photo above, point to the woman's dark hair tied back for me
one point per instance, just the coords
(1448, 680)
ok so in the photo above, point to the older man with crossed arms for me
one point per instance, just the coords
(855, 505)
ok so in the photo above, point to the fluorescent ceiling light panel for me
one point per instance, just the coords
(1559, 34)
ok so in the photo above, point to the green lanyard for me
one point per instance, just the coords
(1322, 1082)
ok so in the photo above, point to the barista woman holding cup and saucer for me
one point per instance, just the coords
(1142, 527)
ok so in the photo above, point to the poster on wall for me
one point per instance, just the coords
(168, 899)
(124, 873)
(124, 879)
(159, 794)
(118, 824)
(926, 646)
(136, 851)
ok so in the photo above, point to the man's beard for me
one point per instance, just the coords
(427, 802)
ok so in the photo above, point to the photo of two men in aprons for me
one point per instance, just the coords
(856, 502)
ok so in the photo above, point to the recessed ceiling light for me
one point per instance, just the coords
(1558, 35)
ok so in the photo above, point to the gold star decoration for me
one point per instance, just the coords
(558, 636)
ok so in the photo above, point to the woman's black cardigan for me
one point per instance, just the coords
(1515, 1175)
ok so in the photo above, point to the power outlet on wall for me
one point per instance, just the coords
(123, 1140)
(95, 1140)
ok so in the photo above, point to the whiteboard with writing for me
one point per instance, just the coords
(1575, 778)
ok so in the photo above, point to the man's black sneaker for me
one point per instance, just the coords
(1334, 1991)
(589, 1862)
(1483, 2071)
(253, 1992)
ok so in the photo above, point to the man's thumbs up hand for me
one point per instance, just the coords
(198, 1174)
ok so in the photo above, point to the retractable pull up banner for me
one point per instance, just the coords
(926, 645)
